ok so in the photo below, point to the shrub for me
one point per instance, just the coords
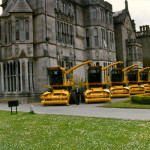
(141, 99)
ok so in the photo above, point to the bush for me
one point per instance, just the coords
(141, 99)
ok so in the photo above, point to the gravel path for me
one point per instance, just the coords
(91, 110)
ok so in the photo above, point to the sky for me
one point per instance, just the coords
(139, 10)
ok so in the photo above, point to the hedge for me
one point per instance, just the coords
(141, 99)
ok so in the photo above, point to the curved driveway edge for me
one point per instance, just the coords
(90, 110)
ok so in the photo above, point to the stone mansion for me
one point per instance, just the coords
(37, 34)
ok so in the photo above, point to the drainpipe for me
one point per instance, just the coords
(46, 38)
(56, 31)
(73, 34)
(46, 30)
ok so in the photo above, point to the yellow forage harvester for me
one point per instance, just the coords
(96, 90)
(60, 90)
(134, 82)
(119, 82)
(144, 78)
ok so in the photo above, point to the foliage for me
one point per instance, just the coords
(141, 99)
(37, 131)
(79, 81)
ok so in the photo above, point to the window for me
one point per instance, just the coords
(9, 32)
(58, 31)
(94, 14)
(22, 29)
(134, 53)
(65, 28)
(110, 18)
(22, 34)
(19, 77)
(64, 7)
(17, 30)
(107, 38)
(71, 34)
(106, 17)
(102, 14)
(57, 5)
(30, 76)
(96, 36)
(0, 31)
(103, 38)
(64, 33)
(67, 33)
(97, 63)
(87, 38)
(8, 77)
(5, 32)
(13, 76)
(27, 29)
(4, 70)
(140, 54)
(61, 33)
(111, 40)
(130, 54)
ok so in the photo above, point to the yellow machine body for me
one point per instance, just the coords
(61, 92)
(120, 91)
(146, 87)
(134, 82)
(55, 97)
(97, 95)
(136, 89)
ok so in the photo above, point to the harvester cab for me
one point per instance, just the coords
(116, 76)
(60, 90)
(56, 75)
(94, 75)
(134, 82)
(95, 91)
(144, 78)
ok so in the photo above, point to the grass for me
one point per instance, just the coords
(127, 104)
(27, 131)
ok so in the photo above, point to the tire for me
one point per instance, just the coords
(73, 96)
(82, 95)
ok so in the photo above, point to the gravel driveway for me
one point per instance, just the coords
(91, 110)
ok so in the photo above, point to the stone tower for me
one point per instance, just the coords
(128, 47)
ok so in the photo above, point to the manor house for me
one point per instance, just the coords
(37, 34)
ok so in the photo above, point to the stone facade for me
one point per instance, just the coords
(144, 37)
(128, 48)
(38, 34)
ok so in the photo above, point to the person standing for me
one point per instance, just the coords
(77, 95)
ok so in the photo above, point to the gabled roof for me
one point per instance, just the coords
(120, 16)
(8, 8)
(117, 13)
(21, 6)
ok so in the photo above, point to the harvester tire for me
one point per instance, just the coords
(82, 95)
(73, 97)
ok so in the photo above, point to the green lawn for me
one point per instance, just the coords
(127, 104)
(27, 131)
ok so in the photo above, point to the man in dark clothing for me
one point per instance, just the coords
(77, 95)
